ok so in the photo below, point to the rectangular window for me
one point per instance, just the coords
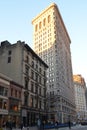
(9, 59)
(15, 93)
(32, 74)
(19, 94)
(9, 52)
(3, 91)
(4, 105)
(11, 91)
(26, 69)
(26, 83)
(1, 103)
(26, 100)
(32, 87)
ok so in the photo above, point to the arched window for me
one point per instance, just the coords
(49, 18)
(44, 21)
(36, 27)
(40, 25)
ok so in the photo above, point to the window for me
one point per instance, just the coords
(48, 18)
(15, 93)
(36, 28)
(44, 22)
(9, 59)
(36, 88)
(32, 74)
(32, 64)
(31, 101)
(4, 105)
(19, 94)
(11, 91)
(26, 83)
(44, 81)
(9, 52)
(40, 70)
(32, 87)
(27, 59)
(26, 100)
(26, 69)
(44, 91)
(40, 25)
(36, 66)
(40, 91)
(36, 77)
(1, 103)
(3, 91)
(40, 104)
(40, 79)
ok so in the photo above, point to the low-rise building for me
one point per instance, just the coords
(21, 63)
(10, 101)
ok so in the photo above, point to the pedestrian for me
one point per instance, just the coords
(10, 125)
(43, 123)
(56, 125)
(69, 123)
(21, 125)
(39, 124)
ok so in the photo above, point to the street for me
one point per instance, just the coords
(75, 128)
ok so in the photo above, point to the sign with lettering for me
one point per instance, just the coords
(3, 112)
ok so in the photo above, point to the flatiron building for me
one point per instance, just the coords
(52, 44)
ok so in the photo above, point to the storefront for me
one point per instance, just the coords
(3, 116)
(14, 111)
(30, 117)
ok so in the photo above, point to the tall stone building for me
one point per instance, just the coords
(80, 98)
(52, 44)
(19, 62)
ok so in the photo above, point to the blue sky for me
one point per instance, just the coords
(16, 17)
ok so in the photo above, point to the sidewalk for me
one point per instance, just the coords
(62, 128)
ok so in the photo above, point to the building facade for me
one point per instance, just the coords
(80, 99)
(52, 44)
(10, 101)
(4, 90)
(20, 62)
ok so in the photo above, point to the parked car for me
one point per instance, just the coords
(84, 123)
